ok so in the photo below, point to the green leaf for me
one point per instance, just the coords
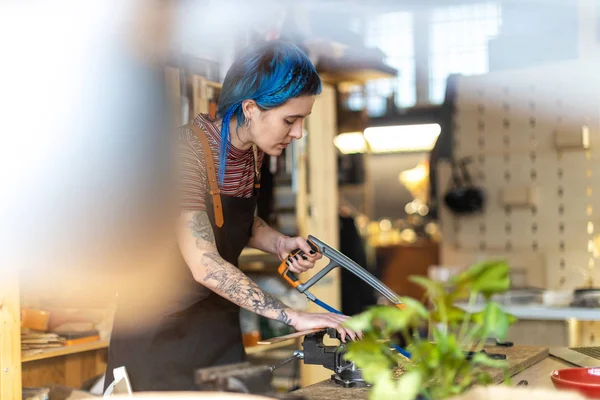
(483, 378)
(487, 278)
(453, 315)
(433, 288)
(367, 352)
(477, 317)
(392, 318)
(376, 373)
(485, 361)
(426, 354)
(468, 276)
(361, 322)
(414, 307)
(511, 318)
(495, 321)
(384, 387)
(409, 385)
(493, 282)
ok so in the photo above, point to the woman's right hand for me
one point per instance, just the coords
(302, 321)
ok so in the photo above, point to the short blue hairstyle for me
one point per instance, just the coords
(270, 73)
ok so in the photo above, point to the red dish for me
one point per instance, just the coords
(584, 380)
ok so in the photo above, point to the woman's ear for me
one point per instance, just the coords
(250, 109)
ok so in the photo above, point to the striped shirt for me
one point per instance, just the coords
(239, 171)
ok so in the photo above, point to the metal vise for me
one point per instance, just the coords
(332, 357)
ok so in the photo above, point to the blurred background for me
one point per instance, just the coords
(448, 132)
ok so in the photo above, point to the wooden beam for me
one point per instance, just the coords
(10, 335)
(322, 201)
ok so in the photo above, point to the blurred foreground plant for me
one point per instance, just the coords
(439, 368)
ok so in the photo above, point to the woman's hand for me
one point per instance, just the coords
(299, 263)
(302, 321)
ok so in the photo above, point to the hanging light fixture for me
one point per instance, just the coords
(350, 142)
(390, 139)
(402, 138)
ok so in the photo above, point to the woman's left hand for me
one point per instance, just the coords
(299, 263)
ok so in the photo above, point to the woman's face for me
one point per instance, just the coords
(272, 130)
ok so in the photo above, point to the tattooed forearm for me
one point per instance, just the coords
(283, 317)
(232, 284)
(201, 229)
(198, 247)
(264, 237)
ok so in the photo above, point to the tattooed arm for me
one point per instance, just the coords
(199, 249)
(269, 240)
(264, 237)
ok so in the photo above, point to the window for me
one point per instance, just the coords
(458, 38)
(392, 33)
(458, 43)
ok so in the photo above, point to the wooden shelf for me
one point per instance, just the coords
(63, 351)
(102, 344)
(261, 348)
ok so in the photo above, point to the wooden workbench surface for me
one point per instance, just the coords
(525, 362)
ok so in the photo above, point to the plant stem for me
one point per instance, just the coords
(469, 337)
(467, 318)
(480, 344)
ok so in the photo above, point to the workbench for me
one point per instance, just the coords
(533, 364)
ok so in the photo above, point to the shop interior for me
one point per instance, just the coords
(447, 133)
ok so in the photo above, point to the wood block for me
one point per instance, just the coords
(574, 138)
(521, 196)
(35, 319)
(284, 338)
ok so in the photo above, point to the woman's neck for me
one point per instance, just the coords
(240, 139)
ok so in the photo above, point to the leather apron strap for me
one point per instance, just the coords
(211, 174)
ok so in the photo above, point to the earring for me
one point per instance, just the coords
(247, 123)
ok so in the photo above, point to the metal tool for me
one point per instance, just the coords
(242, 377)
(493, 356)
(297, 355)
(337, 259)
(495, 342)
(332, 357)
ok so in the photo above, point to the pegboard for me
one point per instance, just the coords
(509, 124)
(584, 333)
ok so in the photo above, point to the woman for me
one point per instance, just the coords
(267, 93)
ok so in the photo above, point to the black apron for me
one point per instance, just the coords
(196, 328)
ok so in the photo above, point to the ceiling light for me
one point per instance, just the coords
(402, 138)
(350, 143)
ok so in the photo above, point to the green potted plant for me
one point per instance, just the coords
(447, 362)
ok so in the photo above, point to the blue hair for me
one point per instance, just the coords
(270, 73)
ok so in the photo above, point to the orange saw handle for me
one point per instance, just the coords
(283, 269)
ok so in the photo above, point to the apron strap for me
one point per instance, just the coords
(256, 169)
(210, 174)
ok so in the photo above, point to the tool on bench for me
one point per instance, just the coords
(315, 352)
(493, 356)
(337, 259)
(241, 377)
(495, 342)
